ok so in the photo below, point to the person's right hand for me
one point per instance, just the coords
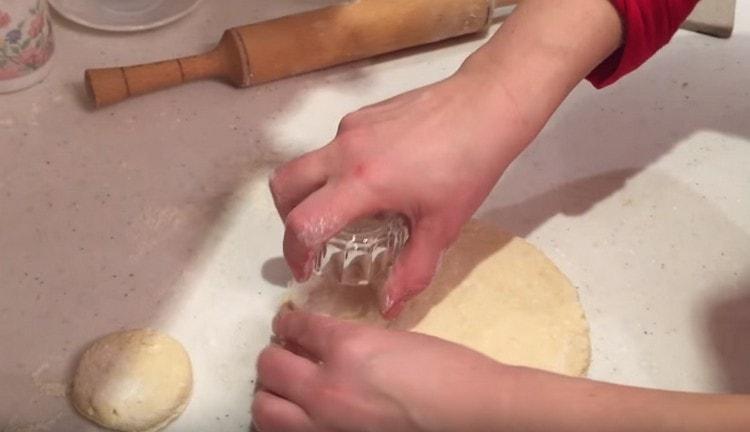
(432, 155)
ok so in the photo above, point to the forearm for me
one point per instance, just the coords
(578, 405)
(543, 50)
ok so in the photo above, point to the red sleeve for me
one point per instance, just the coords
(648, 26)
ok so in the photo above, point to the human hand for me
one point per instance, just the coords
(330, 375)
(355, 378)
(432, 155)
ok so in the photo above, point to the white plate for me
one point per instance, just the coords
(124, 15)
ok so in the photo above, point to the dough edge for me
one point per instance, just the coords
(577, 352)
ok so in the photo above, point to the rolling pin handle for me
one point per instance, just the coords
(110, 85)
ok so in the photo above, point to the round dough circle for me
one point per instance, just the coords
(133, 381)
(494, 293)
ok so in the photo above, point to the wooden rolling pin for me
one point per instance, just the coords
(295, 44)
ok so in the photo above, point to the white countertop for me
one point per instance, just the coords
(155, 212)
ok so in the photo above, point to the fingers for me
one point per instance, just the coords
(292, 182)
(272, 413)
(414, 268)
(313, 333)
(318, 218)
(285, 374)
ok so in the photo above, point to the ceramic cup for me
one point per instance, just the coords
(26, 43)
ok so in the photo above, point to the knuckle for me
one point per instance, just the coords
(290, 326)
(331, 393)
(295, 222)
(352, 139)
(348, 121)
(363, 172)
(352, 344)
(371, 177)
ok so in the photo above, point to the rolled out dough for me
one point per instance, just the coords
(494, 293)
(133, 381)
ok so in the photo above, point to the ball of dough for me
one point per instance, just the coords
(494, 293)
(133, 381)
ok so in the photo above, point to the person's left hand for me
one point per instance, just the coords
(355, 378)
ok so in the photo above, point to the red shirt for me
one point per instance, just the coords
(648, 26)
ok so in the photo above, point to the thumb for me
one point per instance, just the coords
(414, 268)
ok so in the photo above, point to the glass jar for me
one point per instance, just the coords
(363, 252)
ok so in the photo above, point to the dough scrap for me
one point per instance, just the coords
(133, 381)
(494, 293)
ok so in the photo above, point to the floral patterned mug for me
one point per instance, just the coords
(26, 43)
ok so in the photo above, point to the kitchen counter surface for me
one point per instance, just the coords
(155, 212)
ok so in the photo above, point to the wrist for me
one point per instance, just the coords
(541, 401)
(496, 404)
(542, 51)
(500, 128)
